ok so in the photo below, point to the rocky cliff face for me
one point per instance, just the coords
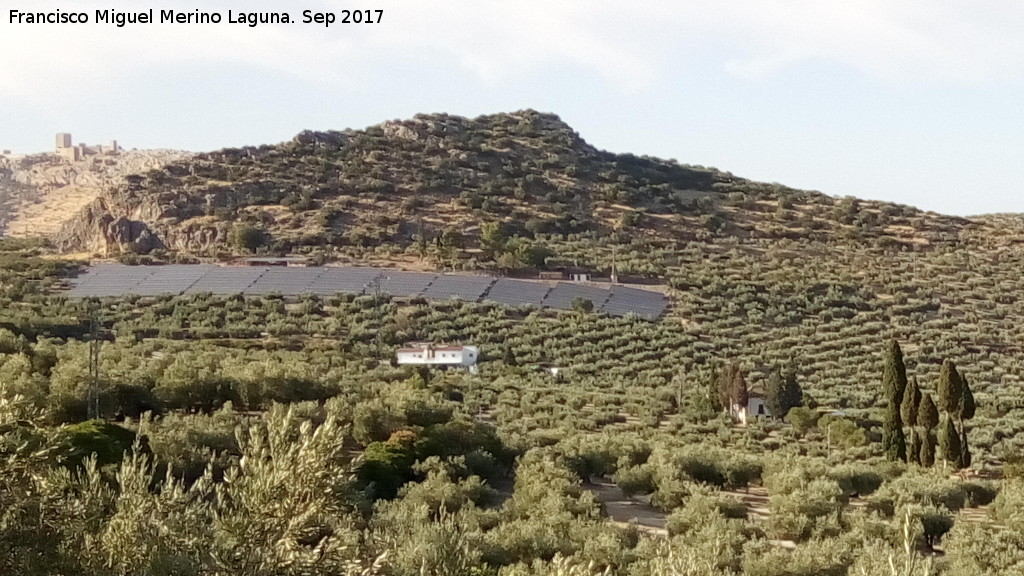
(123, 220)
(39, 194)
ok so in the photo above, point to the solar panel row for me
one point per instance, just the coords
(517, 292)
(120, 280)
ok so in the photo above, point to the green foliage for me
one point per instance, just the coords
(582, 305)
(247, 237)
(732, 386)
(927, 413)
(372, 421)
(842, 432)
(386, 467)
(894, 384)
(703, 507)
(967, 404)
(912, 399)
(782, 393)
(950, 388)
(804, 512)
(927, 449)
(299, 503)
(802, 420)
(920, 487)
(107, 442)
(950, 448)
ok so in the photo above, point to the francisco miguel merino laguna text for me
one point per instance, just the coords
(122, 19)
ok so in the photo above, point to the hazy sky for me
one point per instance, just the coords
(911, 101)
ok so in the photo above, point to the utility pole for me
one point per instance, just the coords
(93, 393)
(376, 282)
(615, 274)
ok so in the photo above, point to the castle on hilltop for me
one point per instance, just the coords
(72, 153)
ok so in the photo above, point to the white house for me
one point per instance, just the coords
(755, 408)
(428, 354)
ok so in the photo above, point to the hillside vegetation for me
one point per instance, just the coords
(394, 190)
(759, 273)
(269, 435)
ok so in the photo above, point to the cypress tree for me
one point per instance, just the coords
(894, 383)
(911, 402)
(965, 450)
(927, 457)
(914, 448)
(724, 386)
(967, 405)
(949, 441)
(908, 412)
(711, 383)
(950, 388)
(927, 420)
(774, 395)
(738, 389)
(782, 392)
(927, 413)
(966, 412)
(794, 392)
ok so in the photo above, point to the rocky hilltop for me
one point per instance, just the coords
(502, 191)
(39, 193)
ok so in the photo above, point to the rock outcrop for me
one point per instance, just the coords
(39, 194)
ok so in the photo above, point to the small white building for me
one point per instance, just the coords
(430, 355)
(755, 408)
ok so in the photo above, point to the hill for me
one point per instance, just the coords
(398, 187)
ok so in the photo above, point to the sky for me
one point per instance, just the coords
(916, 102)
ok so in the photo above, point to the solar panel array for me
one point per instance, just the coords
(470, 288)
(643, 303)
(285, 281)
(563, 295)
(335, 279)
(170, 279)
(399, 283)
(220, 280)
(110, 280)
(517, 292)
(121, 280)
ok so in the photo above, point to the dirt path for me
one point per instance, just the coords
(624, 511)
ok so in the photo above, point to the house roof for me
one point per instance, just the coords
(276, 259)
(434, 348)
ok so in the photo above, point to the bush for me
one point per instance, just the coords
(802, 419)
(928, 488)
(107, 441)
(635, 480)
(247, 237)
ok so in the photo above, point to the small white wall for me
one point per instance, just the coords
(754, 409)
(466, 357)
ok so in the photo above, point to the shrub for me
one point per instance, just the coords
(107, 441)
